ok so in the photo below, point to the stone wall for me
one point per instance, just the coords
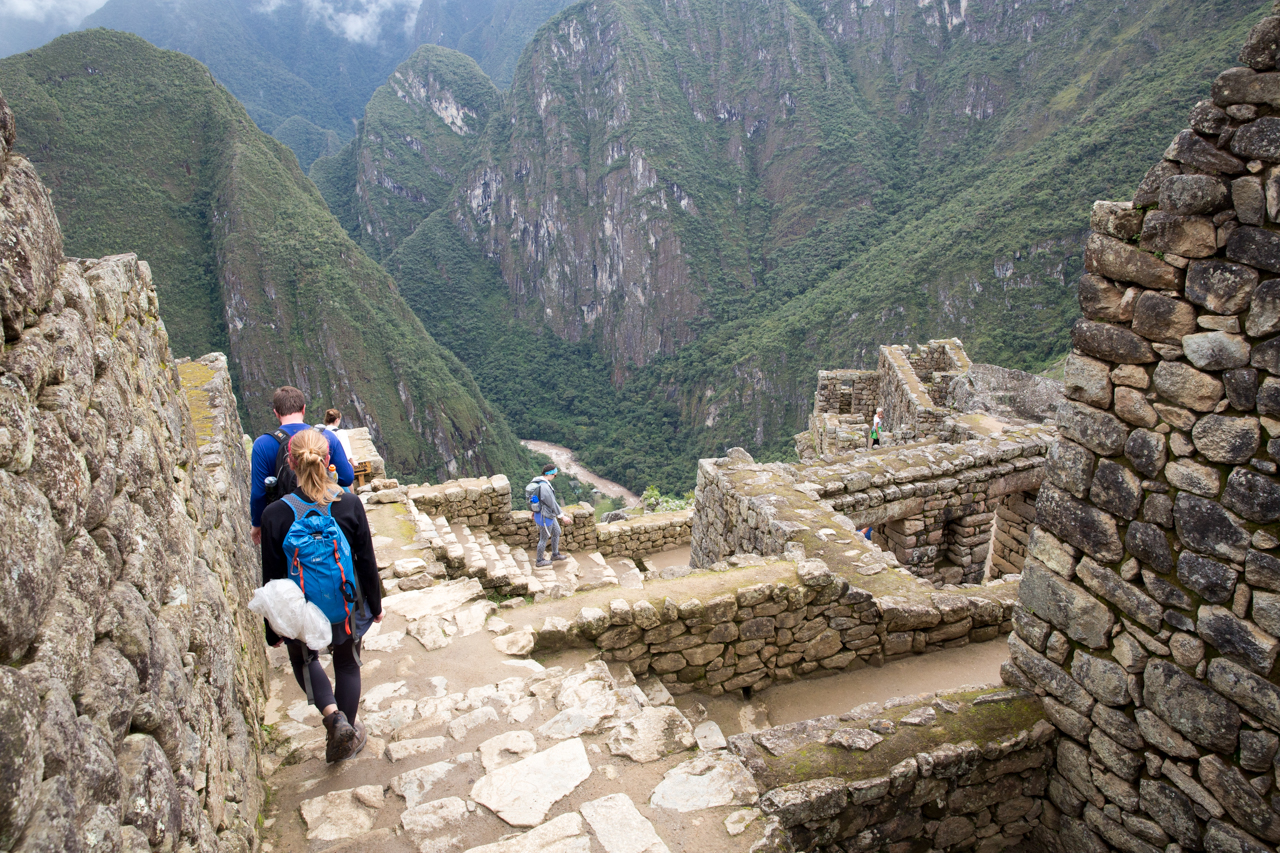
(364, 450)
(909, 409)
(481, 503)
(1015, 515)
(579, 535)
(965, 770)
(847, 392)
(133, 676)
(645, 534)
(936, 364)
(836, 435)
(1152, 583)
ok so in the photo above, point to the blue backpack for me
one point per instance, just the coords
(320, 562)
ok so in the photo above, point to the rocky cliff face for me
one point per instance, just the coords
(132, 675)
(650, 154)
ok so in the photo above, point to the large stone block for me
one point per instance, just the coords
(1259, 48)
(1198, 153)
(1116, 489)
(1102, 300)
(1250, 691)
(1106, 681)
(1255, 496)
(1239, 640)
(1088, 528)
(1184, 385)
(1107, 256)
(1101, 432)
(1070, 466)
(1191, 708)
(1050, 676)
(1111, 343)
(1211, 580)
(1239, 798)
(1216, 350)
(1146, 450)
(1149, 544)
(1206, 528)
(1264, 309)
(1189, 195)
(1188, 236)
(1221, 286)
(21, 754)
(1119, 219)
(1087, 380)
(1226, 439)
(1173, 810)
(1065, 606)
(1255, 247)
(1121, 593)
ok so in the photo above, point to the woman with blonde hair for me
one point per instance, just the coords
(316, 499)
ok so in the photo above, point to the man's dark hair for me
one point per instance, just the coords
(332, 416)
(288, 401)
(547, 469)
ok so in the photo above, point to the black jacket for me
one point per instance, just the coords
(277, 518)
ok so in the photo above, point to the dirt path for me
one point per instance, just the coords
(568, 463)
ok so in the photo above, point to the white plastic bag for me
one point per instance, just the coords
(283, 605)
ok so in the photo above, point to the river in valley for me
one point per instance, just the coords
(568, 463)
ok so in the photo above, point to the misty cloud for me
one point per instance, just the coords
(356, 20)
(65, 11)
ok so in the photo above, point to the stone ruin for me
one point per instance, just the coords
(1125, 539)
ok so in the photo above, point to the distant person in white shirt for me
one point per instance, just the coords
(875, 427)
(333, 423)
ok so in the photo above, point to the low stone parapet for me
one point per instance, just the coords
(578, 535)
(645, 534)
(481, 503)
(805, 621)
(966, 770)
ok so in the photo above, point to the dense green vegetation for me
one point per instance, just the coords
(407, 156)
(922, 183)
(144, 152)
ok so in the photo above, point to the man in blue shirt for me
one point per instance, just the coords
(290, 408)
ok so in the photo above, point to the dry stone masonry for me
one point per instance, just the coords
(132, 682)
(1151, 585)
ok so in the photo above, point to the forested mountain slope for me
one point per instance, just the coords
(144, 152)
(687, 207)
(411, 148)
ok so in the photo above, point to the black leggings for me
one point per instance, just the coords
(346, 673)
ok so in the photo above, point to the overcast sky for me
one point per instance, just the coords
(60, 11)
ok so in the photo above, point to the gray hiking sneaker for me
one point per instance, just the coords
(340, 737)
(542, 563)
(558, 558)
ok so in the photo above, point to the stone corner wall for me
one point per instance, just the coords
(966, 770)
(1151, 593)
(132, 679)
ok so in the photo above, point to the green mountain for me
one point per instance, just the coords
(493, 32)
(683, 211)
(145, 152)
(411, 148)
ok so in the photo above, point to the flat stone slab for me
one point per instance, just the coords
(432, 818)
(507, 748)
(619, 826)
(522, 793)
(652, 734)
(714, 779)
(565, 834)
(415, 785)
(709, 736)
(434, 601)
(342, 814)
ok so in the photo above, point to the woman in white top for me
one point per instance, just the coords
(333, 423)
(875, 428)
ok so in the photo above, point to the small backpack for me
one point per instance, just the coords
(284, 481)
(320, 561)
(533, 494)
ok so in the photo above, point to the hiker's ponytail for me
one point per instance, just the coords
(309, 457)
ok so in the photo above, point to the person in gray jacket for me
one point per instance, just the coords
(547, 515)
